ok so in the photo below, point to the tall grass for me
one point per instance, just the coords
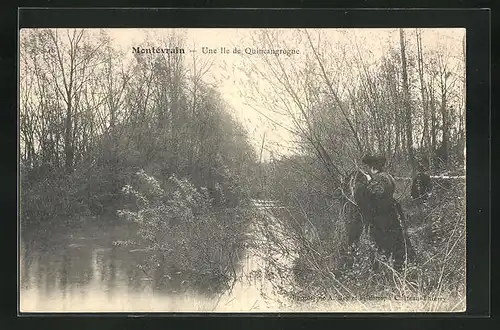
(322, 268)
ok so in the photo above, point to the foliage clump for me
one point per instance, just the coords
(193, 242)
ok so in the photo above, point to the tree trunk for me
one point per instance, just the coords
(425, 104)
(464, 104)
(407, 110)
(68, 147)
(445, 123)
(433, 124)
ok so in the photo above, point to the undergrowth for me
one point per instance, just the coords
(194, 244)
(323, 268)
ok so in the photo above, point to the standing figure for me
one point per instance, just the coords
(386, 217)
(355, 206)
(421, 185)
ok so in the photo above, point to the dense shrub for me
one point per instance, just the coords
(324, 267)
(193, 242)
(58, 196)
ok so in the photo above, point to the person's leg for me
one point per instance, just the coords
(354, 227)
(398, 249)
(389, 237)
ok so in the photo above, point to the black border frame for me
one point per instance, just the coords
(476, 21)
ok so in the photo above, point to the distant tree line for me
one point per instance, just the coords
(90, 119)
(340, 103)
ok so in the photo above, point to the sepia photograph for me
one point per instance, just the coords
(242, 170)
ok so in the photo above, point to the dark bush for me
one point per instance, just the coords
(191, 239)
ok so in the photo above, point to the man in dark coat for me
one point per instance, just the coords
(386, 220)
(421, 185)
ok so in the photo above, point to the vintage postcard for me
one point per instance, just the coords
(242, 170)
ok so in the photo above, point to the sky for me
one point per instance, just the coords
(226, 74)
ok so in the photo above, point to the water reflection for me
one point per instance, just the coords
(82, 270)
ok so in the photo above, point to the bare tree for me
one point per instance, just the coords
(407, 104)
(426, 136)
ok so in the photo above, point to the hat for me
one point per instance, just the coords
(376, 161)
